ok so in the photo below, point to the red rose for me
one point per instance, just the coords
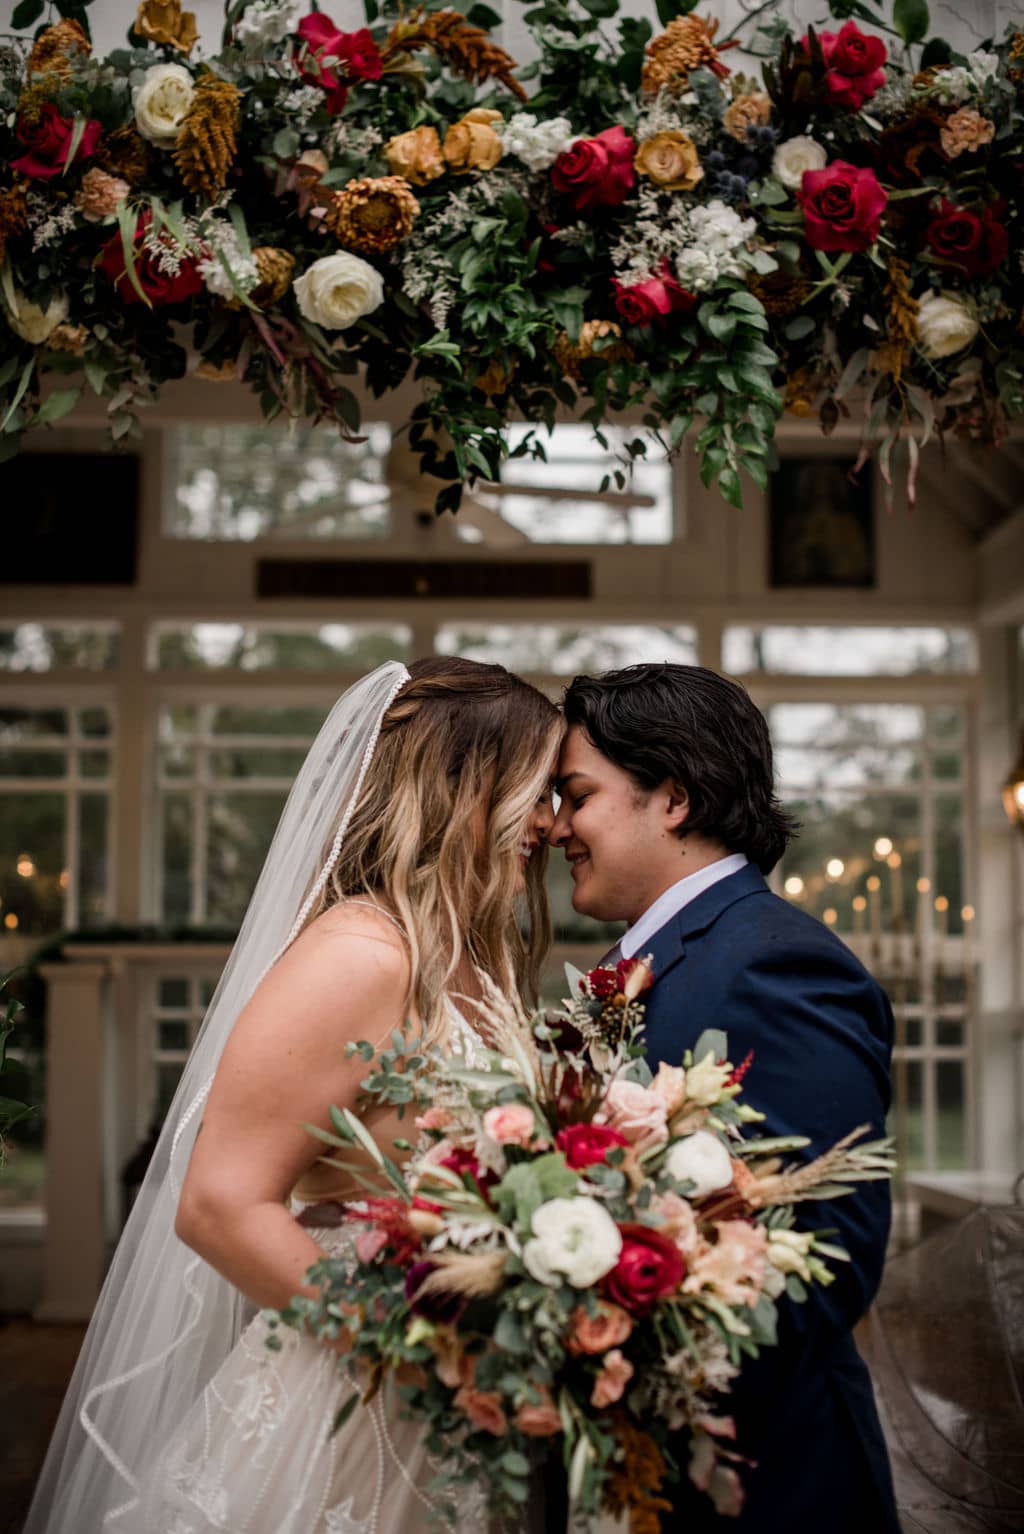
(978, 243)
(159, 287)
(854, 59)
(640, 303)
(48, 140)
(585, 1145)
(604, 983)
(843, 206)
(597, 172)
(325, 47)
(462, 1161)
(650, 1266)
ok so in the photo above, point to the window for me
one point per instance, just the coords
(245, 482)
(259, 647)
(51, 647)
(560, 499)
(832, 650)
(565, 649)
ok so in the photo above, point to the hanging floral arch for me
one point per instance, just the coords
(629, 223)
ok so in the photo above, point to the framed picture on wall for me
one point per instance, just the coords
(821, 525)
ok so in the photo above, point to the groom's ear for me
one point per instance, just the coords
(677, 808)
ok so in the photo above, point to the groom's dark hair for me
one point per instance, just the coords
(702, 731)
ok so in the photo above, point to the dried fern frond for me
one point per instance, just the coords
(504, 1025)
(467, 50)
(473, 1275)
(827, 1176)
(205, 150)
(901, 327)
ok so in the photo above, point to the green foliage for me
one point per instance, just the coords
(12, 1110)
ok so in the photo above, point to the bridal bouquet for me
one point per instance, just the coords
(577, 1256)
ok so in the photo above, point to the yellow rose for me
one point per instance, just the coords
(670, 160)
(416, 155)
(164, 21)
(472, 144)
(753, 111)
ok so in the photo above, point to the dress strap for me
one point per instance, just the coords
(373, 906)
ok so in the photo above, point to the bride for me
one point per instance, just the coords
(419, 816)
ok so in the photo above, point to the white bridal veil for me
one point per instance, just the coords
(165, 1319)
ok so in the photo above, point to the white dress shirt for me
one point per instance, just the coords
(670, 903)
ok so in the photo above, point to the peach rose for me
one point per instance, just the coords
(472, 144)
(100, 195)
(596, 1334)
(753, 111)
(670, 1086)
(734, 1267)
(542, 1419)
(616, 1373)
(510, 1124)
(670, 160)
(965, 131)
(369, 1242)
(433, 1118)
(678, 1221)
(636, 1112)
(484, 1409)
(416, 155)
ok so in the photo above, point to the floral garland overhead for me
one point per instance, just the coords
(628, 223)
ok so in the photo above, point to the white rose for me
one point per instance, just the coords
(706, 1081)
(162, 103)
(944, 324)
(264, 23)
(701, 1159)
(787, 1251)
(574, 1239)
(34, 324)
(338, 290)
(796, 155)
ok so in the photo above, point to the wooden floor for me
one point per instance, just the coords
(36, 1362)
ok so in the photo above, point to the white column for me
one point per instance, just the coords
(75, 1251)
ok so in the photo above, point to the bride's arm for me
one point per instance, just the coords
(284, 1065)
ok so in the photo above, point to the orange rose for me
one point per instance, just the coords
(670, 160)
(595, 1334)
(164, 21)
(484, 1409)
(541, 1419)
(472, 144)
(416, 155)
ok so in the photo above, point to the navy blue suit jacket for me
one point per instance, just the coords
(779, 983)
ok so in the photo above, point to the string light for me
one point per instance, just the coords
(894, 860)
(874, 883)
(941, 903)
(860, 903)
(835, 868)
(830, 917)
(968, 913)
(11, 921)
(923, 886)
(883, 847)
(794, 885)
(25, 866)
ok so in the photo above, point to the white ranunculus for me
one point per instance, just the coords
(34, 324)
(796, 155)
(787, 1252)
(162, 103)
(338, 290)
(701, 1159)
(944, 324)
(574, 1239)
(265, 22)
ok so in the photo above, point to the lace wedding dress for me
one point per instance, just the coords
(255, 1454)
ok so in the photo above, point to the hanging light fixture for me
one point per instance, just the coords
(1013, 790)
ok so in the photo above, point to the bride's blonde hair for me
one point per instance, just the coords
(464, 754)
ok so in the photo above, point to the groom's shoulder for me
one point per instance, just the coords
(770, 925)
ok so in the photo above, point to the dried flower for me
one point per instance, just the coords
(636, 1479)
(217, 372)
(901, 326)
(13, 213)
(751, 111)
(472, 144)
(205, 148)
(780, 292)
(572, 354)
(164, 21)
(374, 214)
(416, 155)
(100, 194)
(670, 160)
(54, 50)
(125, 153)
(69, 338)
(274, 271)
(686, 43)
(495, 378)
(467, 50)
(965, 131)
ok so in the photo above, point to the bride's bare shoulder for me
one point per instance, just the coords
(355, 924)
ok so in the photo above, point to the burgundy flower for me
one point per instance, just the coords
(462, 1162)
(976, 242)
(334, 60)
(442, 1307)
(649, 1268)
(843, 206)
(160, 287)
(585, 1145)
(47, 142)
(853, 59)
(597, 172)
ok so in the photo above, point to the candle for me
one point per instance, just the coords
(860, 905)
(895, 863)
(874, 887)
(942, 915)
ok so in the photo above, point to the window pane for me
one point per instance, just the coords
(31, 862)
(172, 991)
(823, 650)
(176, 857)
(43, 647)
(949, 1034)
(911, 1153)
(33, 764)
(240, 829)
(253, 720)
(952, 1126)
(949, 856)
(245, 482)
(210, 646)
(829, 864)
(561, 501)
(256, 762)
(28, 724)
(844, 726)
(94, 764)
(93, 864)
(94, 721)
(566, 650)
(173, 1035)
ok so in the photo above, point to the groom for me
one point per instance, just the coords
(669, 821)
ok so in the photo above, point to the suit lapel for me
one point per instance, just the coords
(668, 945)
